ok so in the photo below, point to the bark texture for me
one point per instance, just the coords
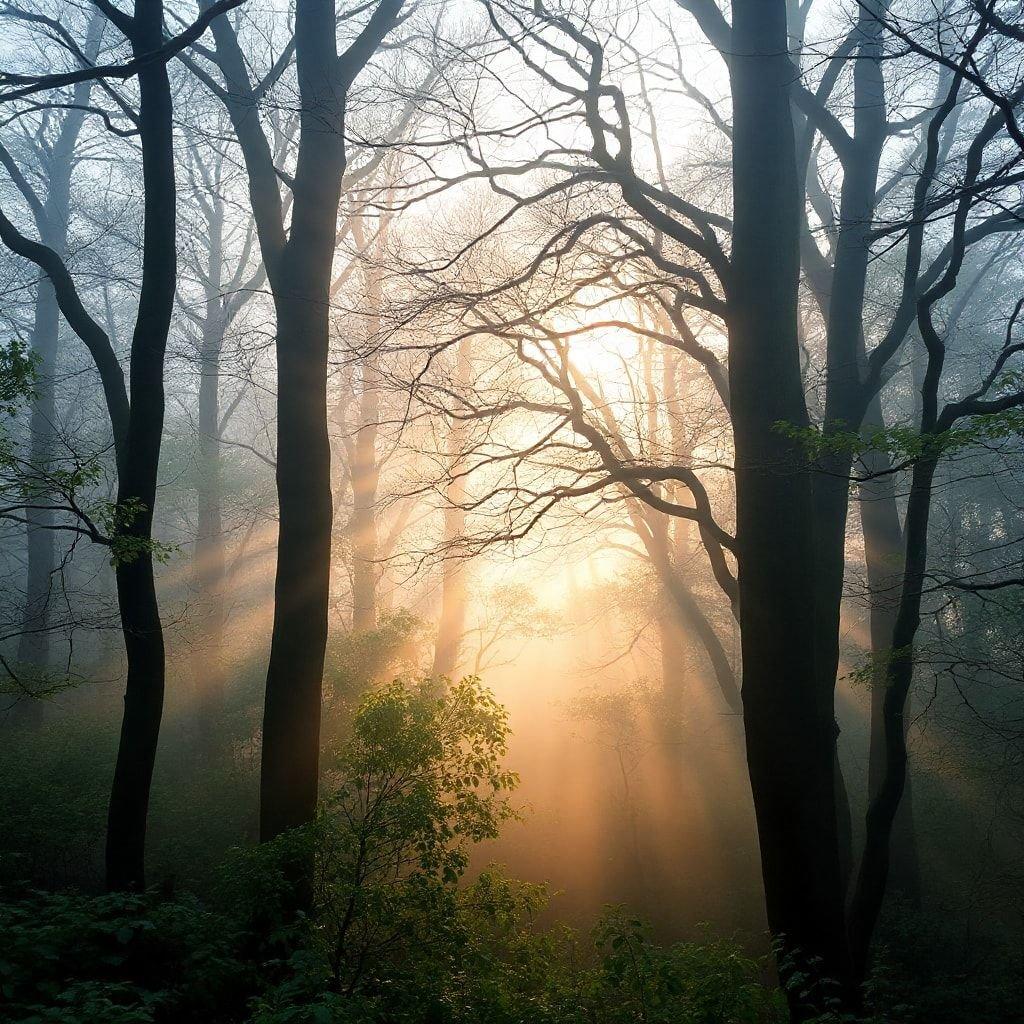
(788, 708)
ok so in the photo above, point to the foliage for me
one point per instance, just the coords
(388, 932)
(902, 444)
(874, 667)
(929, 968)
(18, 373)
(146, 960)
(420, 781)
(356, 661)
(113, 960)
(688, 983)
(117, 519)
(53, 800)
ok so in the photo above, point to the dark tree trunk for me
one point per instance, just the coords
(788, 708)
(137, 473)
(137, 428)
(884, 806)
(844, 409)
(844, 310)
(299, 266)
(302, 282)
(291, 717)
(883, 552)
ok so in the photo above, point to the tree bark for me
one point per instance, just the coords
(138, 469)
(843, 307)
(299, 265)
(291, 716)
(883, 553)
(788, 710)
(884, 806)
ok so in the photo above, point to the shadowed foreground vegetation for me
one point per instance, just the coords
(392, 930)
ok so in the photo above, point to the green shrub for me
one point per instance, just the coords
(116, 958)
(382, 927)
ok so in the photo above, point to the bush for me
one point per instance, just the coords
(115, 958)
(387, 931)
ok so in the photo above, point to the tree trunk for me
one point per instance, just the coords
(844, 408)
(788, 711)
(140, 723)
(291, 716)
(299, 266)
(137, 473)
(292, 707)
(675, 670)
(884, 806)
(59, 163)
(34, 639)
(365, 479)
(452, 623)
(209, 557)
(693, 617)
(883, 553)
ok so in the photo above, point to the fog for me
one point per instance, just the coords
(581, 438)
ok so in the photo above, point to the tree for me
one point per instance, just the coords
(56, 157)
(136, 423)
(224, 295)
(299, 261)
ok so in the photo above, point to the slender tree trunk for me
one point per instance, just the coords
(209, 558)
(788, 711)
(299, 266)
(140, 723)
(884, 806)
(59, 162)
(675, 668)
(137, 428)
(883, 552)
(34, 640)
(844, 360)
(365, 479)
(692, 616)
(452, 623)
(137, 473)
(845, 312)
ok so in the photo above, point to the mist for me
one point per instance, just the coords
(511, 511)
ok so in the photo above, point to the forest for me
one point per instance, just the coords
(511, 511)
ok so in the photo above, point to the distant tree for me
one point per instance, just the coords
(54, 152)
(137, 420)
